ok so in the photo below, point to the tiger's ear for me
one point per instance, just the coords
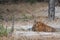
(35, 21)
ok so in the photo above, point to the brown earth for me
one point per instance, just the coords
(33, 37)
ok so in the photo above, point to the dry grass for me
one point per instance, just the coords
(38, 37)
(33, 37)
(22, 12)
(7, 38)
(19, 10)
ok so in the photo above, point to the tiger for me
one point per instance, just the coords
(41, 27)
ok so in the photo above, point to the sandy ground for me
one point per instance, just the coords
(38, 36)
(33, 36)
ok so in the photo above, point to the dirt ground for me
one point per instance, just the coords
(33, 36)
